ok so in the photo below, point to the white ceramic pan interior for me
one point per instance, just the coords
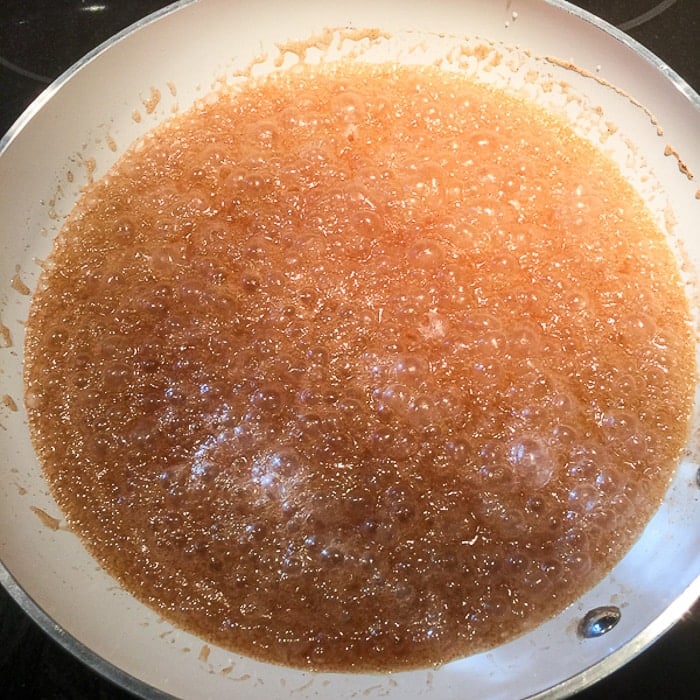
(92, 113)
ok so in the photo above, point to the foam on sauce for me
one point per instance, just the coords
(360, 367)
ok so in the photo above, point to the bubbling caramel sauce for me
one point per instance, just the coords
(360, 367)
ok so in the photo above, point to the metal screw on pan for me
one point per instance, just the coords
(598, 621)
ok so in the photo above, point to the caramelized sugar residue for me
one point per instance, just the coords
(360, 368)
(46, 519)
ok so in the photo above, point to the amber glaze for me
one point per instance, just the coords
(360, 368)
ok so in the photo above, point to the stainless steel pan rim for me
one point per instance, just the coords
(584, 678)
(679, 83)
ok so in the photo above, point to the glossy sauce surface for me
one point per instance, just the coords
(360, 368)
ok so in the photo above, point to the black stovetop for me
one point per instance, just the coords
(39, 39)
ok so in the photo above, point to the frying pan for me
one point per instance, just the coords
(87, 118)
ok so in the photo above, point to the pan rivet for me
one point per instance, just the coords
(598, 621)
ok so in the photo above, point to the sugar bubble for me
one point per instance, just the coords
(267, 399)
(392, 400)
(397, 503)
(532, 459)
(619, 425)
(563, 436)
(524, 341)
(404, 593)
(562, 402)
(409, 366)
(422, 410)
(331, 556)
(458, 454)
(427, 254)
(507, 521)
(263, 134)
(584, 460)
(636, 329)
(115, 376)
(577, 563)
(583, 498)
(349, 106)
